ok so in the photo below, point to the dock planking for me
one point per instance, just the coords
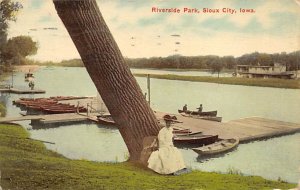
(51, 118)
(246, 129)
(22, 91)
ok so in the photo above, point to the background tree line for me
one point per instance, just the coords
(216, 63)
(213, 63)
(13, 51)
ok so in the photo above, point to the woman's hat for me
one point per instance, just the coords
(169, 118)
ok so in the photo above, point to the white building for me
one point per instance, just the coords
(276, 71)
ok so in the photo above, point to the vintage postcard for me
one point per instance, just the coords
(149, 94)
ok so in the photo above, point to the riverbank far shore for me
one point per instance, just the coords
(27, 164)
(270, 82)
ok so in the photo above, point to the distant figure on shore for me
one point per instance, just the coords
(167, 159)
(31, 83)
(200, 108)
(184, 109)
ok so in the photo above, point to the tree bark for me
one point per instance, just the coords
(109, 72)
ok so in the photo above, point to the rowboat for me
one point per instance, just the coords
(199, 140)
(218, 147)
(207, 113)
(181, 131)
(60, 111)
(210, 118)
(191, 134)
(105, 120)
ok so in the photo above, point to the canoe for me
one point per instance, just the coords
(199, 140)
(57, 106)
(181, 131)
(105, 120)
(210, 118)
(191, 134)
(60, 111)
(207, 113)
(218, 147)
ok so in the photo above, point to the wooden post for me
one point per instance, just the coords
(77, 109)
(87, 109)
(148, 86)
(12, 78)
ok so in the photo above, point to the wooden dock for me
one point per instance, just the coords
(22, 91)
(247, 129)
(52, 118)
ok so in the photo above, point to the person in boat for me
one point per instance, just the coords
(167, 159)
(31, 83)
(200, 108)
(184, 109)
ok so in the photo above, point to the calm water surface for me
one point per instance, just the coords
(273, 158)
(180, 72)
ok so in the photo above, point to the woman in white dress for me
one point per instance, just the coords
(167, 159)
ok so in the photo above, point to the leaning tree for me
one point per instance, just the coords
(109, 72)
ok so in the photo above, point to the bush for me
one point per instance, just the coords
(2, 110)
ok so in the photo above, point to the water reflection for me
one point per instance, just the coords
(180, 72)
(85, 141)
(203, 158)
(273, 158)
(36, 124)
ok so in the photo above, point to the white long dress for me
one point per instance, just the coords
(167, 159)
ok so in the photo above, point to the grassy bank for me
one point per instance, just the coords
(275, 83)
(27, 164)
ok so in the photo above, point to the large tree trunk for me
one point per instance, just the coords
(108, 70)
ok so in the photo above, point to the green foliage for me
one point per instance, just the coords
(232, 170)
(64, 63)
(17, 48)
(27, 164)
(8, 10)
(216, 63)
(71, 63)
(216, 66)
(2, 110)
(210, 62)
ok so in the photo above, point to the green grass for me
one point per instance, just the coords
(27, 164)
(271, 82)
(2, 110)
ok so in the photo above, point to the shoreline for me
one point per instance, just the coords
(273, 83)
(28, 164)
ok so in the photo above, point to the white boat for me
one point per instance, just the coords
(211, 118)
(217, 147)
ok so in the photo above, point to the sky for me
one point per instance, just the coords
(274, 27)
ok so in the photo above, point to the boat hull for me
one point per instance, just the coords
(208, 113)
(219, 147)
(195, 140)
(210, 118)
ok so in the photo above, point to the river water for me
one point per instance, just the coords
(271, 159)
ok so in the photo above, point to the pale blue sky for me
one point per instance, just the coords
(274, 27)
